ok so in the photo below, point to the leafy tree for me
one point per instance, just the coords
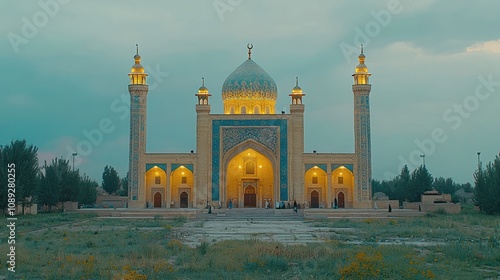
(50, 186)
(124, 186)
(421, 181)
(26, 171)
(110, 180)
(487, 190)
(70, 183)
(445, 186)
(88, 191)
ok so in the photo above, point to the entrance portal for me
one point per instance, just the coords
(341, 200)
(157, 200)
(250, 199)
(314, 199)
(184, 200)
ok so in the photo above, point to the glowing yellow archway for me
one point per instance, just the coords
(315, 184)
(181, 187)
(156, 183)
(342, 187)
(249, 170)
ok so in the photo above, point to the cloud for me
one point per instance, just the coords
(488, 47)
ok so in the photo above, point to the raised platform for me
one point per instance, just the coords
(190, 213)
(360, 213)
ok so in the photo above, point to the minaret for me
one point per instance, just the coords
(296, 187)
(363, 176)
(138, 94)
(203, 141)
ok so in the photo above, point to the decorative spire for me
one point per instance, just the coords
(202, 81)
(361, 48)
(137, 49)
(249, 47)
(296, 81)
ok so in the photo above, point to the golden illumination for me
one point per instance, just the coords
(361, 75)
(137, 74)
(248, 154)
(156, 173)
(182, 172)
(340, 173)
(260, 166)
(239, 166)
(182, 166)
(315, 173)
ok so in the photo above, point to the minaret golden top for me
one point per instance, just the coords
(137, 74)
(361, 75)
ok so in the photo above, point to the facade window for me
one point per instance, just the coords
(315, 180)
(184, 180)
(157, 180)
(340, 180)
(256, 109)
(243, 109)
(250, 168)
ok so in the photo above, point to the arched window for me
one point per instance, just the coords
(256, 109)
(268, 110)
(231, 109)
(243, 110)
(250, 167)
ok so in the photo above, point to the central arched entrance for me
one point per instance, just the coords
(250, 197)
(250, 178)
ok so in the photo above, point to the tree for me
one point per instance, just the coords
(50, 186)
(88, 191)
(487, 190)
(124, 186)
(421, 181)
(26, 172)
(110, 180)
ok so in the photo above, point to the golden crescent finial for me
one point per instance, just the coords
(249, 47)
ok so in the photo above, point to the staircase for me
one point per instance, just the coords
(252, 214)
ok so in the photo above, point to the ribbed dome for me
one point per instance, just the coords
(249, 81)
(137, 68)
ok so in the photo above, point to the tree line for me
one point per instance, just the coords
(487, 190)
(52, 182)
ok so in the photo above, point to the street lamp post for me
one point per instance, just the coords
(478, 160)
(74, 155)
(423, 159)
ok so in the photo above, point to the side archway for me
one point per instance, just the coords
(181, 180)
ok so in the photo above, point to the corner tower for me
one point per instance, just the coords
(138, 94)
(363, 177)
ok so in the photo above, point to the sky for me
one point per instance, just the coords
(434, 64)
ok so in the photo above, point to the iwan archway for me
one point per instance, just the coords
(250, 177)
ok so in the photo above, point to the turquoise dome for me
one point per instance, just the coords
(249, 81)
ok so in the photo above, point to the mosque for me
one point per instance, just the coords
(250, 154)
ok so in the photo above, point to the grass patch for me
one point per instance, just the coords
(82, 246)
